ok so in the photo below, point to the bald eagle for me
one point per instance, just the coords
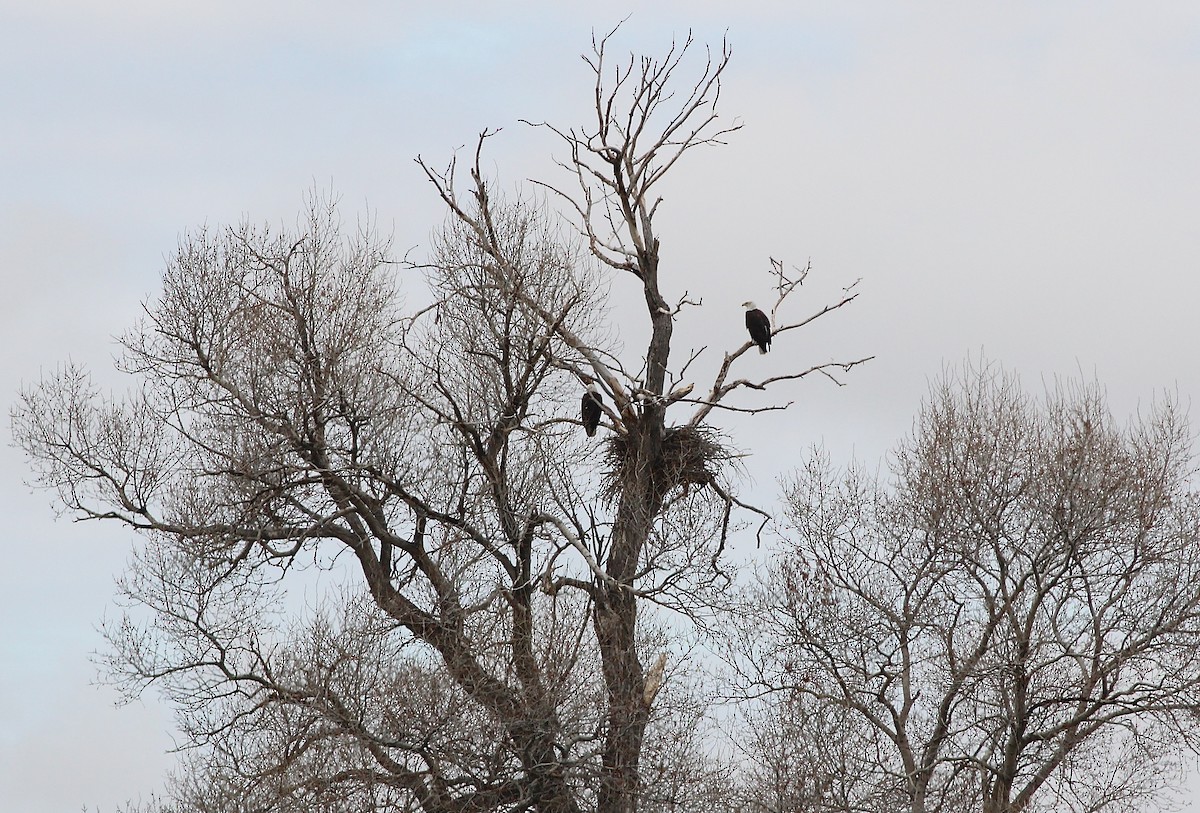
(759, 326)
(591, 410)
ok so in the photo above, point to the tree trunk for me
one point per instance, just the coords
(615, 621)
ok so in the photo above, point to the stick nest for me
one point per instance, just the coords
(689, 455)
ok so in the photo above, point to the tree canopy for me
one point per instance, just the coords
(1008, 622)
(501, 637)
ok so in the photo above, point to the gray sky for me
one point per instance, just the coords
(1020, 179)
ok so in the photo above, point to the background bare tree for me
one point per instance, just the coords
(1011, 620)
(477, 644)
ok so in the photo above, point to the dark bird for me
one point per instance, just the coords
(591, 410)
(759, 326)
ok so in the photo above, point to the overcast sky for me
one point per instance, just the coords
(1020, 179)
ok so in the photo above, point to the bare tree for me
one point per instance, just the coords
(483, 649)
(642, 127)
(1010, 623)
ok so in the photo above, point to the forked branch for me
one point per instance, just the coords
(722, 386)
(641, 129)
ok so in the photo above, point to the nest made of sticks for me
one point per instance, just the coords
(688, 455)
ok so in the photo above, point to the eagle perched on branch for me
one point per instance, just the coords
(590, 410)
(759, 326)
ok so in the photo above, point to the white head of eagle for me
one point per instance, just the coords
(759, 326)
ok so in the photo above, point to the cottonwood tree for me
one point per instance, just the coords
(1009, 623)
(493, 638)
